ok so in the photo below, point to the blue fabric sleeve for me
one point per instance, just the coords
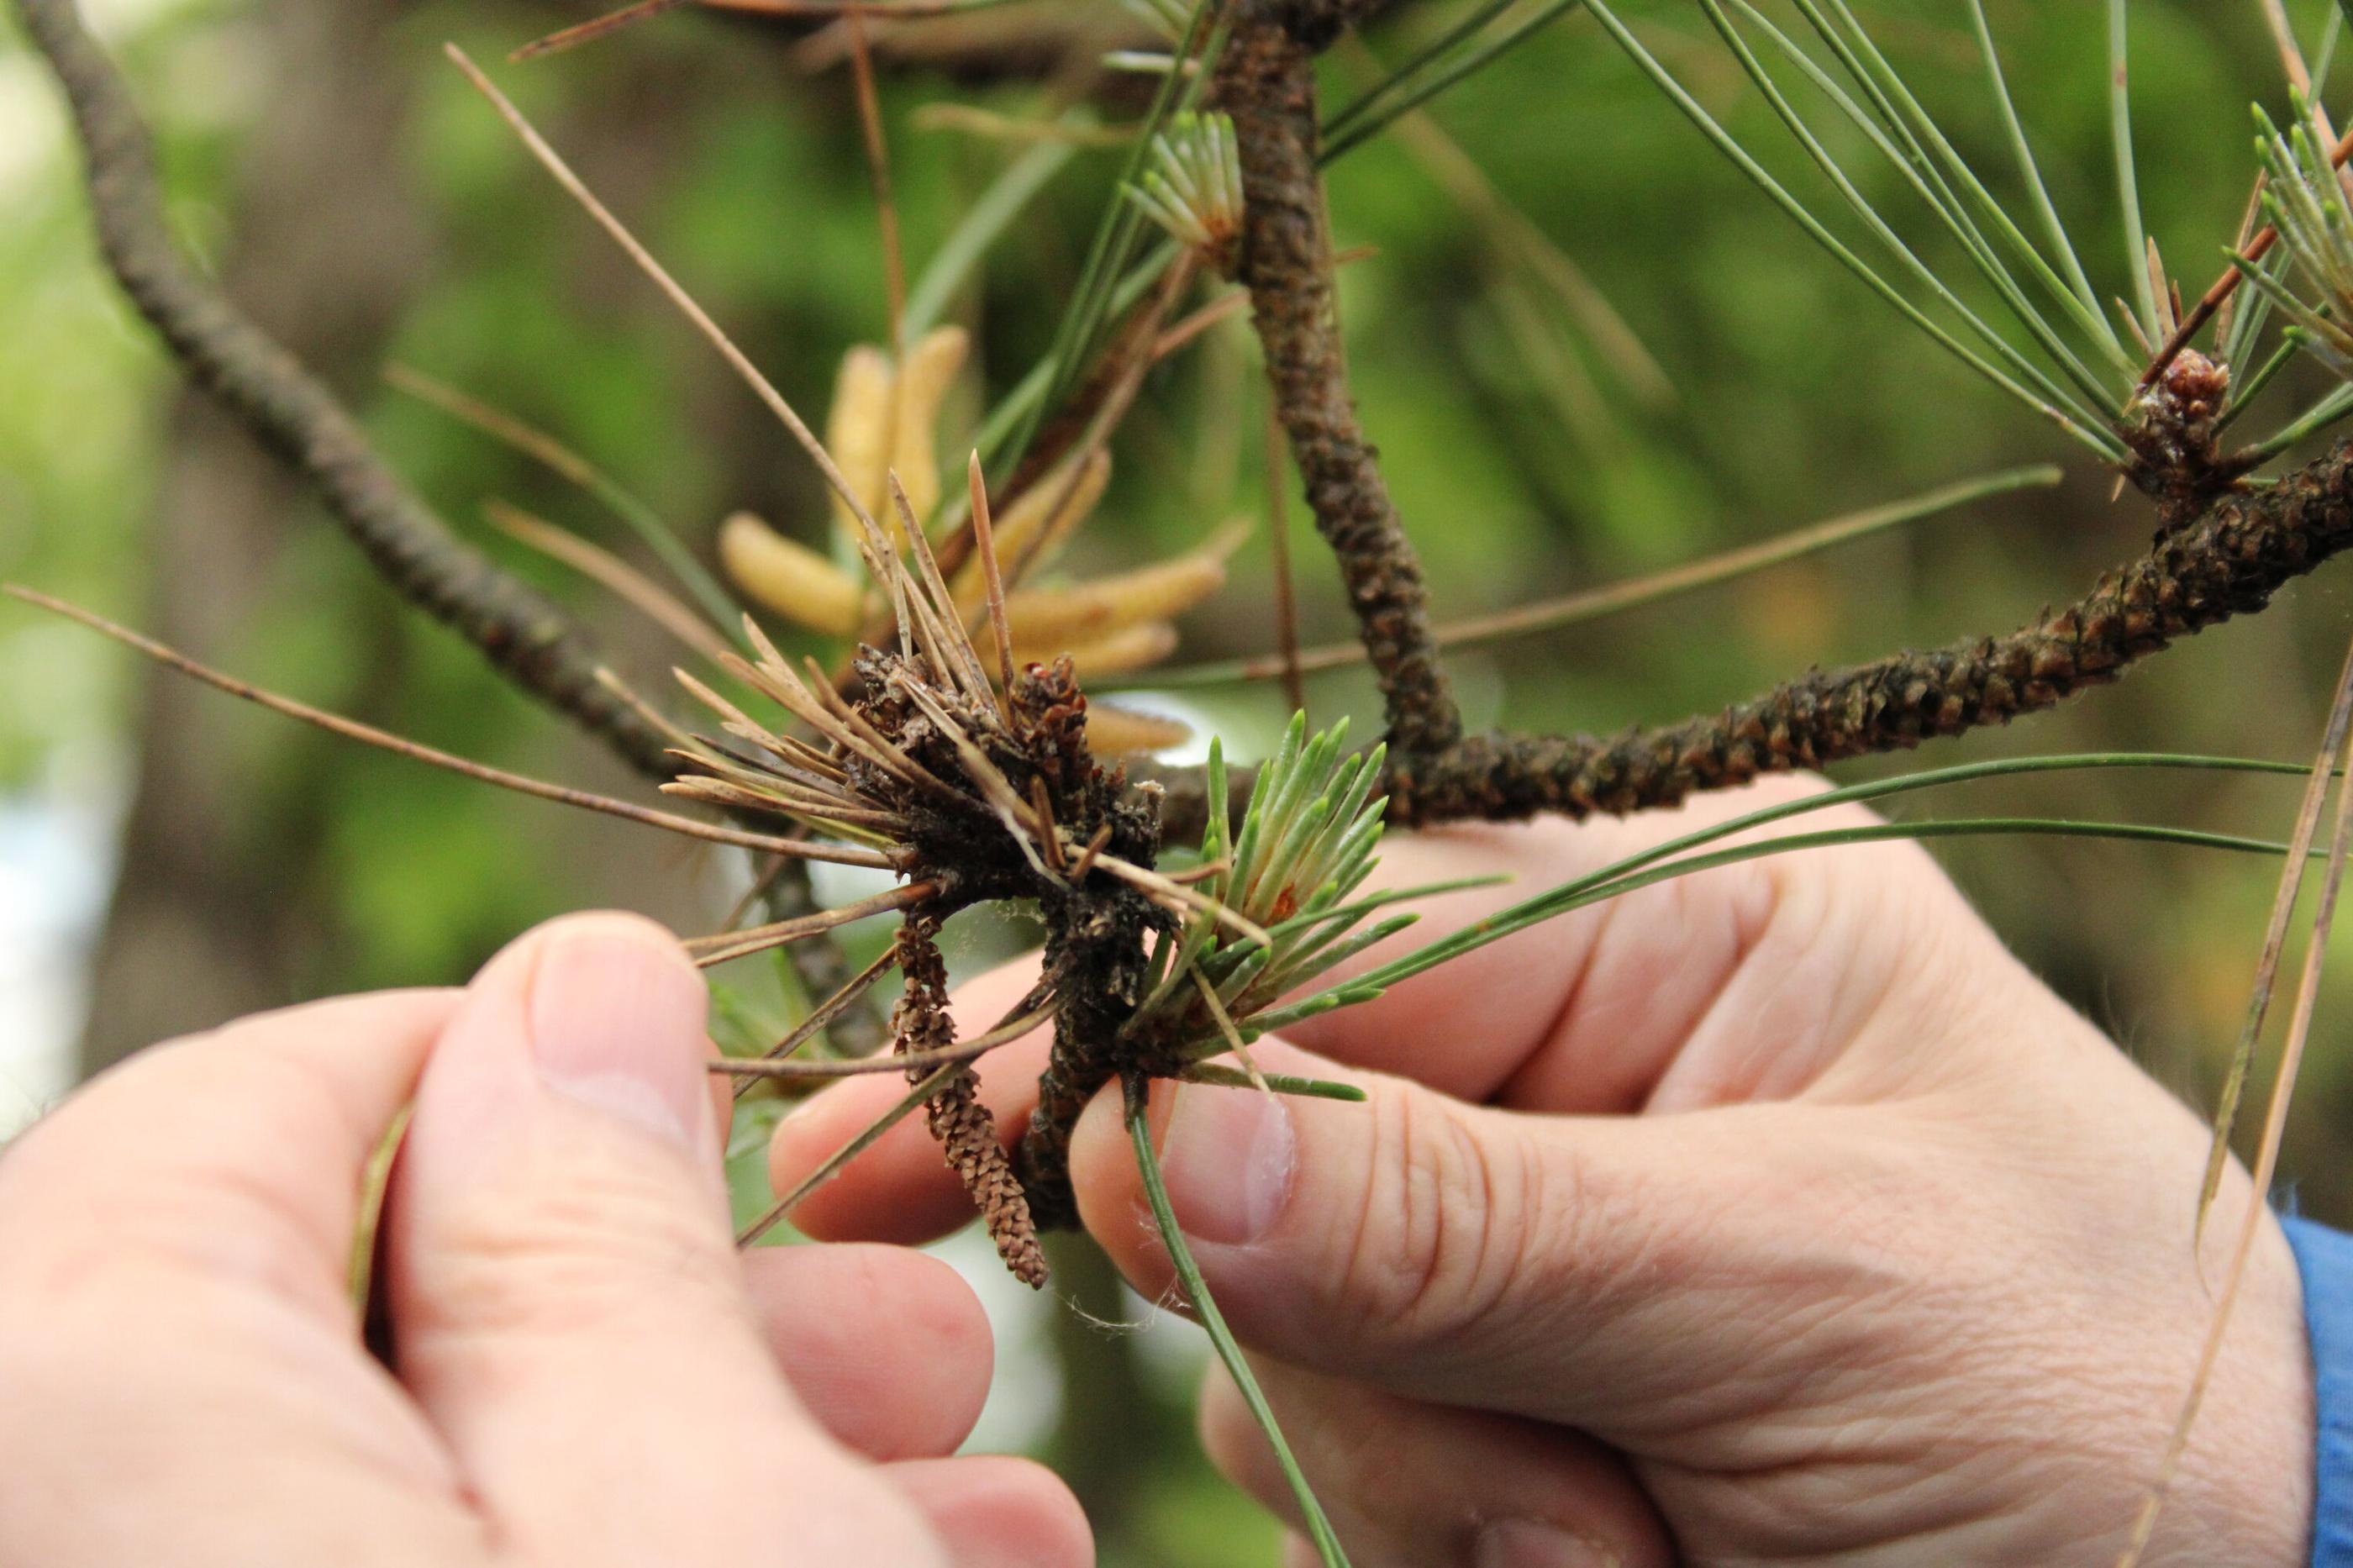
(2325, 1259)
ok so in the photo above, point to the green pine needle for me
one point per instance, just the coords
(1281, 1083)
(2305, 202)
(1306, 844)
(1642, 868)
(1213, 1323)
(2096, 436)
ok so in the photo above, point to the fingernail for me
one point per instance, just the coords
(1230, 1155)
(1532, 1543)
(617, 1022)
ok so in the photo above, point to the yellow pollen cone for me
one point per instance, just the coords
(885, 416)
(858, 433)
(1130, 648)
(1091, 611)
(1123, 731)
(788, 578)
(930, 370)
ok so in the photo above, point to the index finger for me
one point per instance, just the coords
(236, 1155)
(1618, 982)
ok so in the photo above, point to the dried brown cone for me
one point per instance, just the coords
(966, 1131)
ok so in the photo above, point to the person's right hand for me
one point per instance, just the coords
(1773, 1215)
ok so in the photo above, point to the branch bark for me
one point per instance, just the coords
(1266, 82)
(523, 634)
(267, 392)
(2228, 561)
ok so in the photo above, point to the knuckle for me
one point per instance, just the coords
(593, 1254)
(1438, 1237)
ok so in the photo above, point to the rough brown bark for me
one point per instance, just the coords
(213, 912)
(288, 409)
(1266, 82)
(2228, 561)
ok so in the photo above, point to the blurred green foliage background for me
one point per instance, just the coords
(346, 187)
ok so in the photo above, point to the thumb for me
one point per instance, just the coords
(567, 1306)
(1565, 1268)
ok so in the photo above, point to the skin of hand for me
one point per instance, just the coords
(588, 1374)
(1773, 1215)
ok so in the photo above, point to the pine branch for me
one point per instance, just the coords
(2228, 561)
(1266, 82)
(525, 637)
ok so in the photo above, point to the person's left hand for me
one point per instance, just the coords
(586, 1372)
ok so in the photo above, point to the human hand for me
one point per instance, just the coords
(588, 1374)
(1775, 1214)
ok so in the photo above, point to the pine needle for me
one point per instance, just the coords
(352, 729)
(983, 543)
(935, 1081)
(2299, 1034)
(1275, 1083)
(1593, 603)
(1213, 1323)
(562, 460)
(1234, 1041)
(909, 1062)
(711, 950)
(700, 318)
(2283, 901)
(827, 1011)
(612, 22)
(886, 206)
(655, 603)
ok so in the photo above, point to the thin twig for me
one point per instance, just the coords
(1266, 82)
